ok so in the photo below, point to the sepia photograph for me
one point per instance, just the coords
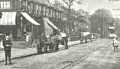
(59, 34)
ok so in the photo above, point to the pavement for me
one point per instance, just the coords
(66, 59)
(25, 52)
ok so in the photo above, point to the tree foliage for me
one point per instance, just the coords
(70, 3)
(100, 19)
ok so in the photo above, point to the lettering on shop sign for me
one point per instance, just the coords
(5, 5)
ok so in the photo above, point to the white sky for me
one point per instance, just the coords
(92, 5)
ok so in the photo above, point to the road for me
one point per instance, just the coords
(93, 55)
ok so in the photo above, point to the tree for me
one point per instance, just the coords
(50, 2)
(100, 20)
(66, 6)
(69, 4)
(57, 4)
(117, 26)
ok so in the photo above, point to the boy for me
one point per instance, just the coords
(115, 44)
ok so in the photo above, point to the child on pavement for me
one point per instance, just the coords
(115, 44)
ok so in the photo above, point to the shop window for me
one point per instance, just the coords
(28, 28)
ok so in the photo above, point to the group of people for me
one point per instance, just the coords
(51, 43)
(6, 42)
(44, 44)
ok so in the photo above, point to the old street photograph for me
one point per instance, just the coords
(59, 34)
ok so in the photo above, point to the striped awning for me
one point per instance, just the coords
(50, 23)
(8, 18)
(49, 26)
(29, 18)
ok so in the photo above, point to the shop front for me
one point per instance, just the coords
(8, 22)
(26, 24)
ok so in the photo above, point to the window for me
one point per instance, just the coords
(47, 11)
(28, 7)
(44, 10)
(24, 4)
(15, 4)
(51, 11)
(5, 5)
(57, 14)
(36, 10)
(53, 14)
(60, 15)
(39, 10)
(31, 7)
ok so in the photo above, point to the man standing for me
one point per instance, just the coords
(115, 44)
(65, 39)
(7, 43)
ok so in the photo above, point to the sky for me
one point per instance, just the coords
(92, 5)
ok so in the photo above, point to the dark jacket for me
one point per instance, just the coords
(7, 44)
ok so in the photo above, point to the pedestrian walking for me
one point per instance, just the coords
(115, 44)
(7, 43)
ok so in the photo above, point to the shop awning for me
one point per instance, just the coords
(50, 23)
(8, 18)
(29, 18)
(48, 29)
